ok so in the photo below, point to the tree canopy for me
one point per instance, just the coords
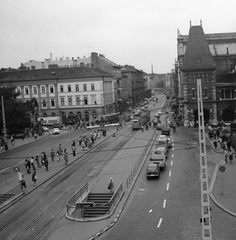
(16, 112)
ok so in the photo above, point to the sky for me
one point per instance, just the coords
(140, 33)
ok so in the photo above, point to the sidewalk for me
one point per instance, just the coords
(223, 184)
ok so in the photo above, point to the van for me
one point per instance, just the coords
(158, 157)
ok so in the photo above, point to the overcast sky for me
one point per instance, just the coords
(140, 33)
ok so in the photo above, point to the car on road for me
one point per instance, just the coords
(56, 131)
(153, 170)
(226, 127)
(45, 129)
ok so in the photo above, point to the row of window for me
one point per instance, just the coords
(69, 101)
(223, 94)
(70, 88)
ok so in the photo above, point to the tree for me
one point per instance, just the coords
(16, 113)
(32, 106)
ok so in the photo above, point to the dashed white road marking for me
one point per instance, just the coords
(167, 186)
(150, 210)
(164, 203)
(172, 155)
(169, 173)
(159, 224)
(171, 163)
(68, 140)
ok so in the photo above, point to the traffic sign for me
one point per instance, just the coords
(222, 168)
(222, 162)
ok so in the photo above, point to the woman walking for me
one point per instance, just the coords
(66, 157)
(111, 185)
(34, 178)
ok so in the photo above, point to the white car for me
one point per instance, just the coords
(56, 131)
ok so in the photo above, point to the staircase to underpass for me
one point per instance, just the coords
(5, 197)
(102, 204)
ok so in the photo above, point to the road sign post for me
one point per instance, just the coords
(222, 169)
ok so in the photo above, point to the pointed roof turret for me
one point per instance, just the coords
(197, 55)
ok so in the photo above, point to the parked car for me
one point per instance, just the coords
(56, 131)
(153, 170)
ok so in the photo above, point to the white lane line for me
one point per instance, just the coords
(159, 224)
(150, 210)
(169, 173)
(172, 155)
(167, 186)
(68, 140)
(4, 169)
(173, 149)
(171, 163)
(164, 203)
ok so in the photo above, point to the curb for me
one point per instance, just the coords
(212, 186)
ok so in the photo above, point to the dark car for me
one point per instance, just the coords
(153, 170)
(165, 131)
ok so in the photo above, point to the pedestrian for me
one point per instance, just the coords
(228, 144)
(60, 149)
(45, 161)
(42, 159)
(66, 156)
(83, 145)
(52, 155)
(37, 161)
(34, 178)
(58, 156)
(226, 155)
(73, 143)
(19, 176)
(146, 126)
(111, 185)
(142, 128)
(230, 156)
(23, 185)
(32, 163)
(27, 165)
(74, 150)
(215, 144)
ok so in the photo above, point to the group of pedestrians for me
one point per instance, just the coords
(31, 165)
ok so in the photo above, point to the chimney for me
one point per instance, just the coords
(51, 58)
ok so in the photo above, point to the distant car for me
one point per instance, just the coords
(153, 170)
(45, 129)
(56, 131)
(214, 125)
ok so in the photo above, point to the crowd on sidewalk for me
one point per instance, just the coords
(85, 142)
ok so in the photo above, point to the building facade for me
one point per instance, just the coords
(220, 92)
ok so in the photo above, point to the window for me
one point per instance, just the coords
(26, 90)
(69, 88)
(35, 90)
(77, 99)
(85, 100)
(62, 101)
(93, 99)
(77, 87)
(52, 102)
(193, 93)
(85, 87)
(51, 89)
(43, 90)
(61, 88)
(227, 94)
(92, 87)
(44, 102)
(18, 90)
(70, 101)
(205, 92)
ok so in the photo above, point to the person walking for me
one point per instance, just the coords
(226, 155)
(52, 154)
(45, 161)
(215, 144)
(27, 165)
(73, 150)
(65, 156)
(34, 178)
(60, 149)
(23, 185)
(32, 163)
(58, 156)
(83, 145)
(37, 161)
(111, 185)
(230, 156)
(142, 128)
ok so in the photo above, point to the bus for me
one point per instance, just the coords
(141, 120)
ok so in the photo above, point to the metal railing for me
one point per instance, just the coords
(71, 203)
(9, 195)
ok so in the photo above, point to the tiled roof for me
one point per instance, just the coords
(41, 74)
(197, 55)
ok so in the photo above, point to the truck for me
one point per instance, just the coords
(158, 157)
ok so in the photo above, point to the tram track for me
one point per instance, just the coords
(31, 216)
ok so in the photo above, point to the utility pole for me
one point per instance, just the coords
(4, 121)
(205, 200)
